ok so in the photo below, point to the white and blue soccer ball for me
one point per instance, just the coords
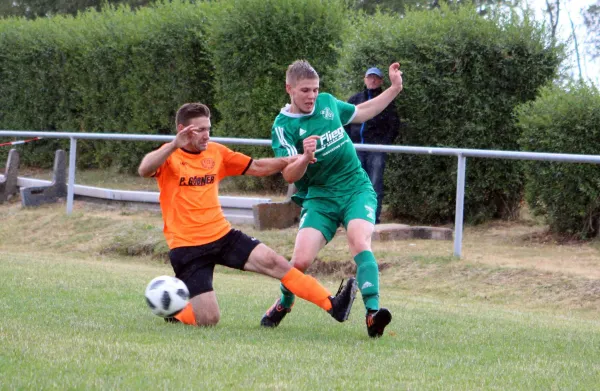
(166, 296)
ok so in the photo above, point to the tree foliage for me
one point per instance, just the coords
(402, 6)
(32, 9)
(591, 18)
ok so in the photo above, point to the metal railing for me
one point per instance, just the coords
(460, 153)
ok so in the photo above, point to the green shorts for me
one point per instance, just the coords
(326, 214)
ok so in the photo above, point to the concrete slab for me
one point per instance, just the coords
(8, 183)
(387, 232)
(275, 215)
(57, 190)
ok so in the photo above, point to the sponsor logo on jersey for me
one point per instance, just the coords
(327, 113)
(302, 132)
(207, 163)
(197, 180)
(330, 138)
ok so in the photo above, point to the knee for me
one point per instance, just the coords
(301, 263)
(208, 319)
(358, 244)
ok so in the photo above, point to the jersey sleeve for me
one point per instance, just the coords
(283, 145)
(347, 111)
(234, 163)
(163, 166)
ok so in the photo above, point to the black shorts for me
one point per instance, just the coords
(194, 265)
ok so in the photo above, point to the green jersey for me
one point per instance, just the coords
(337, 171)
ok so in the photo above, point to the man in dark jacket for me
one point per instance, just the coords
(381, 129)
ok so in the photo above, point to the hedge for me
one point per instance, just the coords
(110, 71)
(463, 76)
(564, 120)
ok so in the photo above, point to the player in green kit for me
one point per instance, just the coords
(333, 188)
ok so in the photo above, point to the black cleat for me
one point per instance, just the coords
(376, 322)
(274, 315)
(341, 303)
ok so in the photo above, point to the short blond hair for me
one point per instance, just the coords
(300, 70)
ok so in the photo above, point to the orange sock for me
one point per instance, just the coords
(186, 316)
(307, 288)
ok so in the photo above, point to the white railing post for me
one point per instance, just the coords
(71, 186)
(460, 204)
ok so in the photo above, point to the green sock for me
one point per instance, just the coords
(367, 276)
(287, 297)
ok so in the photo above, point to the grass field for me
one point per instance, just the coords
(81, 323)
(518, 312)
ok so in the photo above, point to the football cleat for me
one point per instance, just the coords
(376, 322)
(274, 315)
(341, 303)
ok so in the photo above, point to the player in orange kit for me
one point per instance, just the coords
(188, 171)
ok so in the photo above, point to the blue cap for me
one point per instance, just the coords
(374, 71)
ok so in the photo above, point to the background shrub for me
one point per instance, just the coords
(563, 121)
(463, 76)
(111, 71)
(253, 42)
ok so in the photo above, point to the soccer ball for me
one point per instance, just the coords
(166, 296)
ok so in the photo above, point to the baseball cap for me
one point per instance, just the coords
(374, 71)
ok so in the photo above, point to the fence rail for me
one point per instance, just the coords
(460, 153)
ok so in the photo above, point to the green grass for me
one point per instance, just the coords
(74, 315)
(81, 323)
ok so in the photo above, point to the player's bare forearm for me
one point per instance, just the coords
(269, 166)
(153, 160)
(369, 109)
(296, 170)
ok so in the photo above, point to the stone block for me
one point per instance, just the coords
(39, 195)
(275, 215)
(386, 232)
(8, 184)
(432, 233)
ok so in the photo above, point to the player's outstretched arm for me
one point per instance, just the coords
(153, 160)
(269, 166)
(369, 109)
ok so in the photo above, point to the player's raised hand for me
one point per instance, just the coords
(396, 75)
(184, 136)
(310, 146)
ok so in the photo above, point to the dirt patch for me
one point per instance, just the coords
(547, 237)
(341, 269)
(529, 288)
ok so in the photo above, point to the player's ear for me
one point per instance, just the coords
(288, 88)
(179, 127)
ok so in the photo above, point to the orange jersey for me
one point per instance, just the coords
(189, 193)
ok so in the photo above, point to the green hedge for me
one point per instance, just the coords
(34, 90)
(254, 41)
(567, 194)
(110, 71)
(463, 76)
